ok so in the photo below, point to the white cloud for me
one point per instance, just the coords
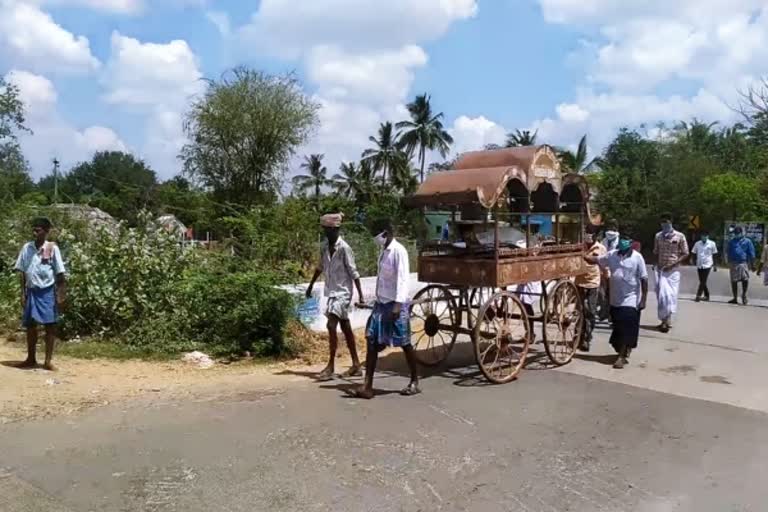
(115, 6)
(36, 91)
(358, 77)
(150, 73)
(51, 135)
(474, 133)
(280, 28)
(572, 112)
(30, 38)
(220, 20)
(159, 80)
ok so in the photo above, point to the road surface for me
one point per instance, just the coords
(683, 428)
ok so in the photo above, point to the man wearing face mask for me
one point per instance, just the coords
(611, 239)
(629, 291)
(389, 323)
(705, 251)
(611, 243)
(741, 255)
(671, 249)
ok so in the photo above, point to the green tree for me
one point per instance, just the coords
(14, 171)
(732, 196)
(521, 138)
(423, 132)
(386, 155)
(191, 205)
(354, 181)
(114, 181)
(243, 132)
(315, 179)
(575, 162)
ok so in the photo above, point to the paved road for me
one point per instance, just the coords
(662, 435)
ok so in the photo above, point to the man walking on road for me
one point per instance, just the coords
(741, 256)
(337, 263)
(589, 285)
(389, 323)
(671, 249)
(763, 265)
(705, 251)
(629, 291)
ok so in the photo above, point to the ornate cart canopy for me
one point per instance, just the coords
(481, 177)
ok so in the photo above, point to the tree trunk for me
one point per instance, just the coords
(423, 156)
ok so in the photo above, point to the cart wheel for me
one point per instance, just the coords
(477, 299)
(434, 324)
(563, 323)
(501, 337)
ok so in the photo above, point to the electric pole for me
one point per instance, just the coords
(55, 180)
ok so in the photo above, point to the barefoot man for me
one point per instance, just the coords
(42, 291)
(337, 263)
(389, 324)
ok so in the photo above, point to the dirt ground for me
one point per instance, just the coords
(80, 384)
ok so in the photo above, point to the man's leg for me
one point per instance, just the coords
(590, 307)
(333, 343)
(702, 283)
(371, 358)
(744, 288)
(31, 361)
(706, 273)
(346, 328)
(413, 386)
(735, 290)
(50, 345)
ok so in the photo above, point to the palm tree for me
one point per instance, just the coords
(696, 133)
(405, 178)
(354, 180)
(521, 138)
(424, 131)
(575, 162)
(385, 155)
(316, 177)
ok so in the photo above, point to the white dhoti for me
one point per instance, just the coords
(667, 288)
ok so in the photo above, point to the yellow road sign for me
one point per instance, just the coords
(694, 222)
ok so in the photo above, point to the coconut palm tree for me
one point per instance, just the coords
(698, 134)
(405, 179)
(424, 132)
(354, 180)
(575, 162)
(385, 154)
(316, 177)
(521, 138)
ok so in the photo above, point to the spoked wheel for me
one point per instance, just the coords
(502, 336)
(434, 324)
(563, 323)
(477, 299)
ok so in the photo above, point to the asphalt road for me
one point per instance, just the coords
(576, 439)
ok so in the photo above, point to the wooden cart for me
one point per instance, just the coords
(495, 198)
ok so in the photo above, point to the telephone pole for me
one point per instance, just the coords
(55, 180)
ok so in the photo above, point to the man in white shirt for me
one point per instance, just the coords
(705, 251)
(389, 323)
(629, 291)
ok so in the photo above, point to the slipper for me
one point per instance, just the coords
(324, 376)
(410, 390)
(353, 372)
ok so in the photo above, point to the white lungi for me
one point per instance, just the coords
(667, 289)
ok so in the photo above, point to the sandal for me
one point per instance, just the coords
(410, 390)
(324, 376)
(353, 372)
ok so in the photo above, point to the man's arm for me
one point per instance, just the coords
(644, 290)
(315, 276)
(349, 261)
(684, 252)
(401, 296)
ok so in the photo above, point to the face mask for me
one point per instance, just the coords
(624, 245)
(666, 227)
(611, 235)
(381, 239)
(705, 239)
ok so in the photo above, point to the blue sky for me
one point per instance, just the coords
(118, 74)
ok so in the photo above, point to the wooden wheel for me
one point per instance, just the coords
(434, 324)
(563, 322)
(502, 336)
(477, 299)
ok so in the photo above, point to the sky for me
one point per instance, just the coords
(119, 74)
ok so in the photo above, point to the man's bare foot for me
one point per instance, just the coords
(355, 371)
(325, 375)
(362, 392)
(50, 367)
(27, 364)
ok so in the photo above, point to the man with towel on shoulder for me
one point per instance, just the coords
(337, 263)
(42, 291)
(671, 249)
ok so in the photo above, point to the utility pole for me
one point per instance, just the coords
(55, 180)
